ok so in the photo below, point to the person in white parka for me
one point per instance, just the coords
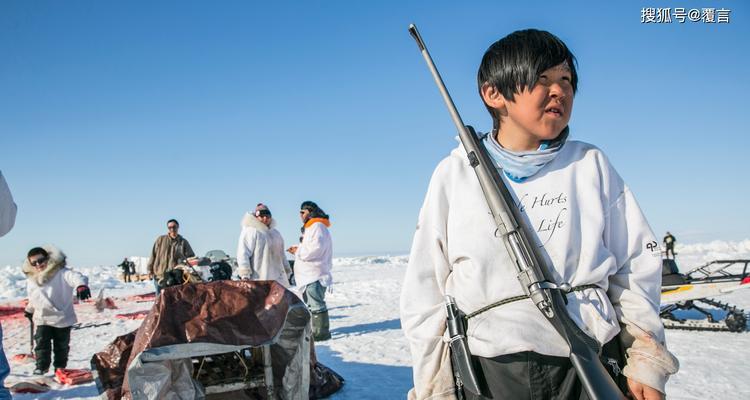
(260, 250)
(313, 259)
(50, 286)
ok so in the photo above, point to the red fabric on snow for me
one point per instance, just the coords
(133, 315)
(73, 376)
(10, 312)
(142, 297)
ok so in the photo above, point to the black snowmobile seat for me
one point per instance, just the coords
(670, 274)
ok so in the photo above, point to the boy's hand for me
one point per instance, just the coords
(83, 292)
(643, 392)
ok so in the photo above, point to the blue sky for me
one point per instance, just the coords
(116, 116)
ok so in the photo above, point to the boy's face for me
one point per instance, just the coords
(536, 114)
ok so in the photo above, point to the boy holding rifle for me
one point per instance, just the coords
(581, 216)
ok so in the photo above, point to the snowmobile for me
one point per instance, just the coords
(215, 266)
(220, 255)
(695, 290)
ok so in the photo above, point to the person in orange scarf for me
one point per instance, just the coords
(312, 265)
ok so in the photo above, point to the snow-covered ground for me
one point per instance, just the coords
(368, 347)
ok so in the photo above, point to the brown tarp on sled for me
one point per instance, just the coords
(204, 319)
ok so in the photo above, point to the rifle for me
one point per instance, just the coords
(533, 273)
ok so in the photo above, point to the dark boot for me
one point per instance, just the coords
(320, 326)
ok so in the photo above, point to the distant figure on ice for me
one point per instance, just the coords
(312, 265)
(260, 251)
(585, 221)
(168, 250)
(669, 244)
(127, 269)
(8, 211)
(50, 285)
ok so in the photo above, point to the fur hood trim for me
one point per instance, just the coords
(56, 262)
(249, 221)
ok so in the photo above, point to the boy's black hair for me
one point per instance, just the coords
(173, 220)
(37, 251)
(516, 61)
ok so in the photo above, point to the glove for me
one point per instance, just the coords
(28, 314)
(83, 292)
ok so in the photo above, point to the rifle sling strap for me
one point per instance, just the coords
(521, 297)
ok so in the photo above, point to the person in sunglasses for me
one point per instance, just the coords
(168, 250)
(49, 285)
(312, 265)
(260, 251)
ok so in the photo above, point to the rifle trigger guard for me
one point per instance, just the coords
(564, 287)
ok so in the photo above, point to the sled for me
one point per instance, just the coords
(696, 289)
(223, 338)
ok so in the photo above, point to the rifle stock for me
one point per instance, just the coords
(533, 273)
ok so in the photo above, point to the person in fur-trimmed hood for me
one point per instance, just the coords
(50, 285)
(260, 251)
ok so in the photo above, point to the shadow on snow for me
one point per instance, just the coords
(362, 329)
(366, 381)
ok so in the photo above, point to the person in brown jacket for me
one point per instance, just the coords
(168, 250)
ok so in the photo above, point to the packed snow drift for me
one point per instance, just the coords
(368, 348)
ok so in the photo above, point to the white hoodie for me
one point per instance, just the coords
(51, 290)
(314, 257)
(260, 252)
(590, 229)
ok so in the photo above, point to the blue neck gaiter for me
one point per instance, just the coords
(520, 165)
